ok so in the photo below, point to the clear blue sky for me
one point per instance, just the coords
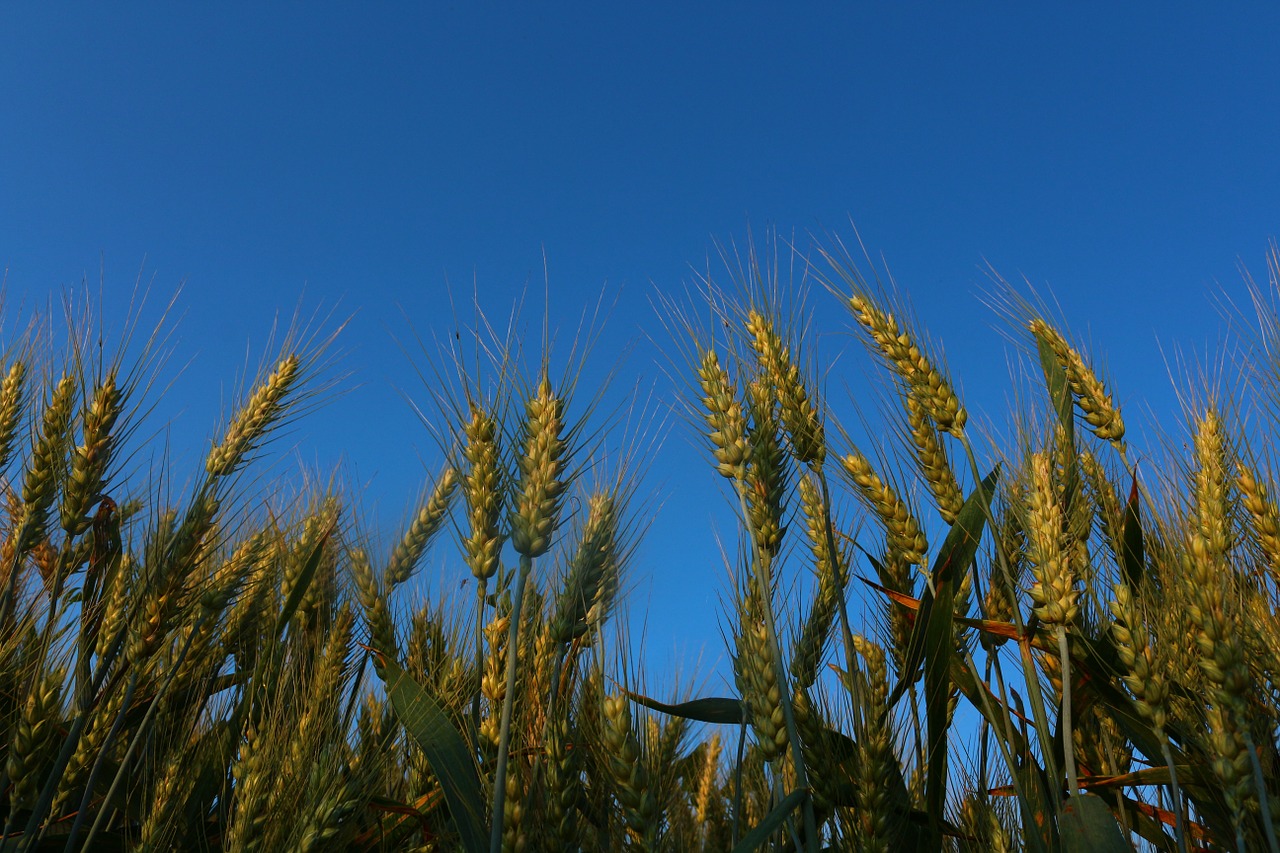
(371, 156)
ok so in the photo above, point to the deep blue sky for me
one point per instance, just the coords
(375, 156)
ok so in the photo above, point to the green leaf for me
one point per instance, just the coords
(304, 579)
(932, 639)
(446, 752)
(1132, 548)
(954, 557)
(958, 551)
(1055, 379)
(1087, 826)
(716, 709)
(1147, 827)
(772, 822)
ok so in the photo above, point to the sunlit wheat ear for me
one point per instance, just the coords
(934, 464)
(183, 550)
(915, 370)
(726, 420)
(317, 536)
(905, 538)
(493, 682)
(833, 573)
(484, 491)
(40, 485)
(1214, 614)
(1144, 678)
(149, 627)
(1211, 486)
(382, 632)
(114, 602)
(230, 576)
(326, 686)
(252, 421)
(539, 653)
(592, 579)
(1076, 508)
(89, 461)
(1090, 394)
(766, 479)
(424, 526)
(11, 398)
(1263, 513)
(541, 482)
(800, 415)
(1054, 592)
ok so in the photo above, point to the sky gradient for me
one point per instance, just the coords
(379, 161)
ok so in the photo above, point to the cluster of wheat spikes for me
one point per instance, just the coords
(1063, 656)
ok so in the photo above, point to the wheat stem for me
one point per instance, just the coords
(1068, 742)
(508, 705)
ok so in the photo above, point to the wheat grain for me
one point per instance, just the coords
(538, 492)
(800, 415)
(11, 394)
(1090, 394)
(905, 538)
(424, 526)
(252, 421)
(924, 381)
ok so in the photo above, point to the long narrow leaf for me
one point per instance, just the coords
(958, 553)
(1132, 547)
(1089, 827)
(772, 822)
(446, 752)
(953, 559)
(715, 709)
(1055, 379)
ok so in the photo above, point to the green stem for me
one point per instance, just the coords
(829, 530)
(508, 706)
(481, 587)
(1004, 744)
(1260, 787)
(737, 783)
(1068, 742)
(1180, 828)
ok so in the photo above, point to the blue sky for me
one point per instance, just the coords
(380, 157)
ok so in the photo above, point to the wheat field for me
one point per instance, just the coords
(1070, 651)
